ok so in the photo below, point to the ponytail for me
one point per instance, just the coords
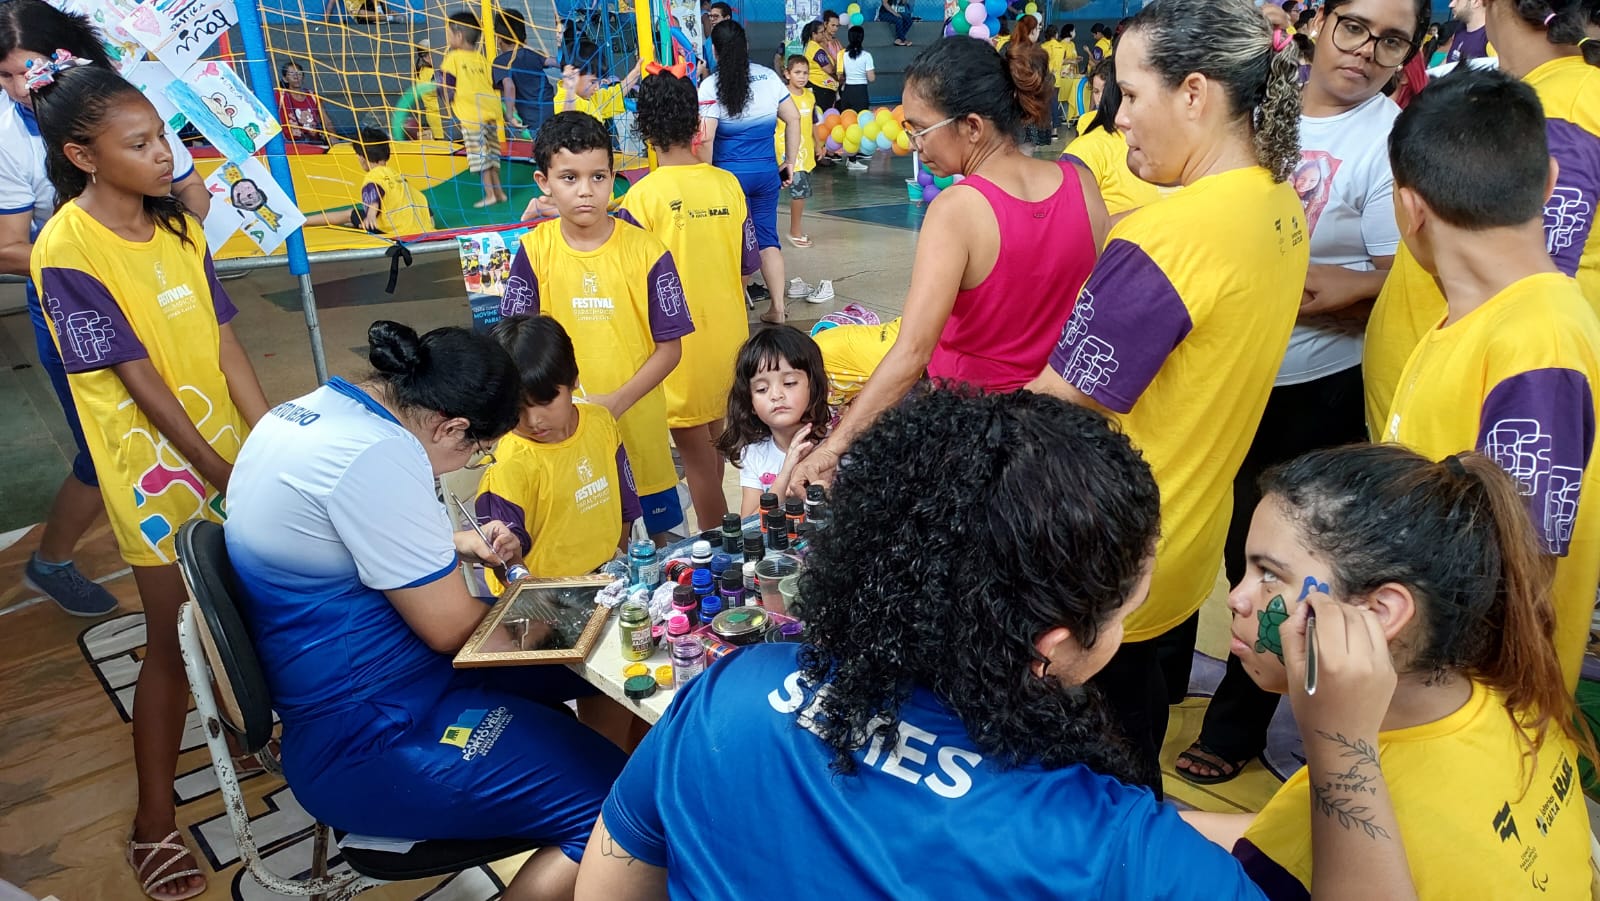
(963, 76)
(1458, 537)
(733, 66)
(854, 38)
(1028, 67)
(1564, 23)
(1277, 119)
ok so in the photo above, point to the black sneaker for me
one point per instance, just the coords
(758, 292)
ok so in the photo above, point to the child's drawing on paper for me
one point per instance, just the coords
(269, 215)
(215, 99)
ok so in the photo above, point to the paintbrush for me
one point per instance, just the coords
(1311, 584)
(516, 572)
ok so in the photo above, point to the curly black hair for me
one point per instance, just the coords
(669, 111)
(965, 526)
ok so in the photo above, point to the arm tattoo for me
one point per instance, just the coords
(1349, 814)
(1360, 749)
(1335, 797)
(610, 848)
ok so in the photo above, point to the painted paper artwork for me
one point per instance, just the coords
(108, 15)
(216, 100)
(178, 32)
(269, 216)
(485, 267)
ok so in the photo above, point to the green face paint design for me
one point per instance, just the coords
(1268, 638)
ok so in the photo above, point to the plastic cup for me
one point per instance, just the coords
(770, 572)
(789, 590)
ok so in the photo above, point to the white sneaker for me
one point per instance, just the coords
(799, 288)
(823, 293)
(855, 166)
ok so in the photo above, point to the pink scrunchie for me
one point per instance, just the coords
(1280, 40)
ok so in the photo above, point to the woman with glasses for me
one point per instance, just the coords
(1001, 255)
(348, 565)
(1344, 183)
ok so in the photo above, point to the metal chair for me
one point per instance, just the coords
(231, 696)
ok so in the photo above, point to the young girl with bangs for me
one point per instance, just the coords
(777, 411)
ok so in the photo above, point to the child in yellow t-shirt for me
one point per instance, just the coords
(616, 290)
(429, 122)
(388, 204)
(561, 480)
(470, 92)
(580, 86)
(1513, 368)
(165, 392)
(1480, 740)
(698, 211)
(797, 73)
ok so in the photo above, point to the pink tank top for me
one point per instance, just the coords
(1000, 333)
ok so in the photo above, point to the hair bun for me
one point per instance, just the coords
(394, 348)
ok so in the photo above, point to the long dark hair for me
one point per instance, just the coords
(733, 66)
(1458, 536)
(449, 371)
(71, 110)
(1564, 22)
(765, 351)
(854, 38)
(962, 76)
(1105, 112)
(41, 28)
(949, 589)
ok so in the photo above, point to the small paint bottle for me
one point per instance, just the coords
(732, 534)
(777, 537)
(817, 512)
(674, 569)
(700, 554)
(732, 588)
(688, 660)
(643, 568)
(712, 537)
(677, 626)
(752, 584)
(769, 506)
(634, 628)
(685, 603)
(720, 562)
(794, 510)
(754, 546)
(710, 606)
(704, 585)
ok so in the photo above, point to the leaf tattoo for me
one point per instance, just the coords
(1359, 749)
(1349, 814)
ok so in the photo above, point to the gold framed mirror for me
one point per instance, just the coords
(538, 621)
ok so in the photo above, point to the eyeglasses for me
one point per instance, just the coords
(915, 137)
(480, 459)
(1388, 50)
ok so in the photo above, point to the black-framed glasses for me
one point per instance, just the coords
(480, 459)
(1388, 50)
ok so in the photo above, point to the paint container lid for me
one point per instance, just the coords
(753, 543)
(794, 507)
(677, 625)
(733, 577)
(769, 501)
(712, 537)
(785, 633)
(664, 676)
(682, 596)
(814, 494)
(740, 625)
(635, 669)
(731, 523)
(702, 579)
(640, 687)
(720, 562)
(701, 550)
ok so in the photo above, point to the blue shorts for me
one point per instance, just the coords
(495, 755)
(50, 359)
(761, 189)
(662, 511)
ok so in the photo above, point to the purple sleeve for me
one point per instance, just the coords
(1127, 321)
(750, 253)
(1570, 212)
(631, 508)
(90, 327)
(521, 297)
(1274, 881)
(627, 217)
(491, 506)
(447, 79)
(1539, 426)
(669, 315)
(372, 194)
(221, 303)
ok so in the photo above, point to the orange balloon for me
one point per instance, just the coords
(902, 149)
(900, 113)
(848, 117)
(832, 120)
(822, 131)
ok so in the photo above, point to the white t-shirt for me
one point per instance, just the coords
(760, 464)
(748, 137)
(24, 185)
(855, 70)
(1348, 190)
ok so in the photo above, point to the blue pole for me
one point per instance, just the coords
(259, 72)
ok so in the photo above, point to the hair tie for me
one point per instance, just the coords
(1280, 40)
(1453, 464)
(1548, 19)
(679, 68)
(1584, 40)
(43, 72)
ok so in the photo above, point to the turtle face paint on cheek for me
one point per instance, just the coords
(1268, 623)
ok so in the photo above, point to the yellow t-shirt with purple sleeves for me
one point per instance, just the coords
(111, 301)
(473, 98)
(1180, 331)
(1411, 301)
(401, 210)
(566, 501)
(1515, 380)
(1105, 154)
(699, 213)
(616, 302)
(1479, 816)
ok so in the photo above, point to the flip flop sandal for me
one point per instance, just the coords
(768, 318)
(152, 879)
(800, 240)
(1198, 753)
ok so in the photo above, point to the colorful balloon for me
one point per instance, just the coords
(976, 14)
(852, 134)
(848, 117)
(943, 181)
(870, 130)
(836, 133)
(924, 177)
(981, 32)
(928, 193)
(834, 146)
(856, 19)
(902, 143)
(958, 25)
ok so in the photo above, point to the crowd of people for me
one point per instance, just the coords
(1257, 315)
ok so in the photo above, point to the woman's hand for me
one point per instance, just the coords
(1355, 675)
(819, 467)
(503, 547)
(1332, 288)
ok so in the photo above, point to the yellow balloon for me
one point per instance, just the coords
(902, 141)
(851, 147)
(852, 135)
(870, 130)
(893, 130)
(838, 133)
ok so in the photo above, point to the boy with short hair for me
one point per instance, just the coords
(615, 289)
(580, 86)
(470, 94)
(561, 479)
(1512, 369)
(388, 204)
(797, 73)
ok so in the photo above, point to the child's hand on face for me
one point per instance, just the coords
(569, 80)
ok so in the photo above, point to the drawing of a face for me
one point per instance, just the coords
(246, 195)
(219, 105)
